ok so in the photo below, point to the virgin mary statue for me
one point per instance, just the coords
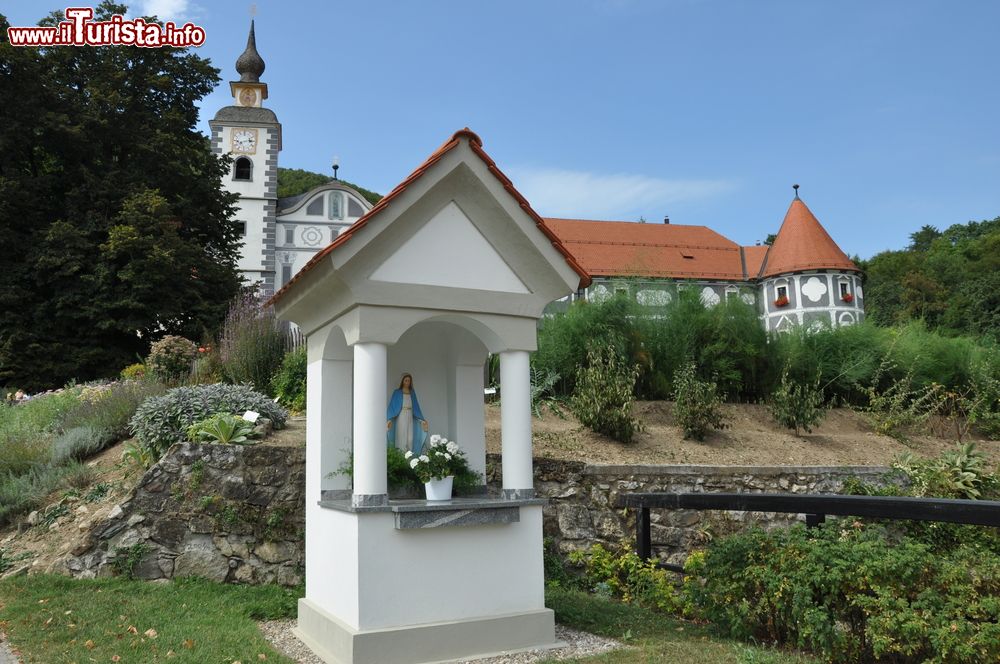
(404, 421)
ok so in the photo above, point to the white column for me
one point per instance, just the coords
(369, 424)
(515, 423)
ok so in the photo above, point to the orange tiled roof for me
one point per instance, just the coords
(754, 259)
(476, 144)
(625, 248)
(803, 244)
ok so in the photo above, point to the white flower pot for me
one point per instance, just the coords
(439, 489)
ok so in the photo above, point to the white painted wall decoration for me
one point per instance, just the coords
(709, 297)
(653, 298)
(599, 293)
(312, 236)
(859, 291)
(447, 246)
(749, 298)
(814, 289)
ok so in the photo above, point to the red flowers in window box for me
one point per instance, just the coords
(781, 301)
(847, 297)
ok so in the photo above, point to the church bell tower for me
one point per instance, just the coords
(251, 134)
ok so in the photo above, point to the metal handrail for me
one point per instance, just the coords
(816, 507)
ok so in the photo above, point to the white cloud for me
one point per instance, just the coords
(165, 10)
(583, 194)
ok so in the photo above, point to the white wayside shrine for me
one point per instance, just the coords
(452, 265)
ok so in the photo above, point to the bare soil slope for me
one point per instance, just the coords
(843, 439)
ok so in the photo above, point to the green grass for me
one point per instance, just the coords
(58, 620)
(653, 636)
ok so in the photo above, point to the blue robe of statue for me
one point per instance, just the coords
(392, 412)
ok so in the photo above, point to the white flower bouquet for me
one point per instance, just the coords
(440, 458)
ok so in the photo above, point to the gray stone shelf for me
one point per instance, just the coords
(474, 511)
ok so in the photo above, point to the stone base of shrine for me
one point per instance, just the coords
(337, 643)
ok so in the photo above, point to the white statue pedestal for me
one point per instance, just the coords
(436, 582)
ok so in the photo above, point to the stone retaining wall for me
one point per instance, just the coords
(234, 513)
(581, 513)
(223, 512)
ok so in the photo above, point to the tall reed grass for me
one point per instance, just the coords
(729, 346)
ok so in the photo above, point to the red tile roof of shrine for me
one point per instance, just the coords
(803, 244)
(476, 144)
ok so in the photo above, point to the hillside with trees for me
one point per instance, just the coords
(295, 181)
(949, 279)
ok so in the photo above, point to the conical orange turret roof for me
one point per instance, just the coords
(803, 244)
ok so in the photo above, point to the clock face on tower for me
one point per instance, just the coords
(248, 97)
(245, 141)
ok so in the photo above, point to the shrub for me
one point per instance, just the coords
(697, 405)
(22, 448)
(603, 397)
(900, 406)
(207, 367)
(797, 405)
(171, 357)
(985, 411)
(223, 429)
(79, 443)
(162, 421)
(625, 575)
(109, 407)
(852, 594)
(253, 343)
(134, 372)
(958, 473)
(290, 381)
(22, 493)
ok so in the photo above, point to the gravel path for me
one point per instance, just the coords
(7, 656)
(579, 644)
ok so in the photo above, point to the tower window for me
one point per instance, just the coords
(336, 205)
(286, 274)
(782, 292)
(243, 170)
(843, 289)
(289, 236)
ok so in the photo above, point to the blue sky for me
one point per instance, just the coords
(886, 112)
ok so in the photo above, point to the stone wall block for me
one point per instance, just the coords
(199, 557)
(575, 522)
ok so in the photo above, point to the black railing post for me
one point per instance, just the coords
(643, 545)
(813, 520)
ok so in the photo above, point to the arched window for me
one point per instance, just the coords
(336, 205)
(243, 169)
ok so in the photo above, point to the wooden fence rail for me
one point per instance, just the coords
(815, 507)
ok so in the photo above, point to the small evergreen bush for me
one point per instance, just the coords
(162, 421)
(290, 381)
(796, 404)
(171, 357)
(697, 404)
(253, 343)
(604, 394)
